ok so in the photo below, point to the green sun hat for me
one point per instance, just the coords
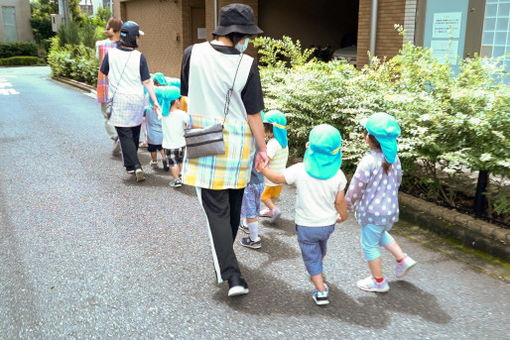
(279, 122)
(385, 129)
(160, 78)
(165, 95)
(323, 157)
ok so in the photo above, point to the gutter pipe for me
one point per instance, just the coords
(215, 14)
(373, 29)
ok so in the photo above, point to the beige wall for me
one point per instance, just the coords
(22, 8)
(388, 41)
(162, 24)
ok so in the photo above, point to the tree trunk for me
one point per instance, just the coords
(481, 186)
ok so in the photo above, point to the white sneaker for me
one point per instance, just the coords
(154, 164)
(369, 284)
(403, 268)
(321, 298)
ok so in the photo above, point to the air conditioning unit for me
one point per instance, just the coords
(56, 21)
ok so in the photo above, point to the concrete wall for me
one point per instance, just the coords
(161, 22)
(388, 41)
(22, 8)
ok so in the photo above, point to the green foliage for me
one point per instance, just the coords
(17, 48)
(21, 60)
(450, 122)
(40, 19)
(76, 62)
(69, 34)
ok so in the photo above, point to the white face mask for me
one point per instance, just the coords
(243, 47)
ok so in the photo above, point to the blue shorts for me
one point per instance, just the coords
(372, 237)
(251, 200)
(313, 243)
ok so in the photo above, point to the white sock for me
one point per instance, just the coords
(254, 230)
(276, 210)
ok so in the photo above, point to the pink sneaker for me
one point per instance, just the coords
(266, 213)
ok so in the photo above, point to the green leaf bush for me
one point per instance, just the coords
(453, 122)
(76, 62)
(23, 60)
(17, 48)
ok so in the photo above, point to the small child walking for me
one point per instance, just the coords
(250, 208)
(373, 195)
(153, 122)
(275, 125)
(320, 201)
(174, 123)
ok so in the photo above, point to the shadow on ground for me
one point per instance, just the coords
(269, 295)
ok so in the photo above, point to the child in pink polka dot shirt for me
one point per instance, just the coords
(373, 196)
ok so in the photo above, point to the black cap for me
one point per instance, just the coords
(237, 18)
(130, 28)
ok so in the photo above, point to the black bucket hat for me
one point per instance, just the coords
(237, 18)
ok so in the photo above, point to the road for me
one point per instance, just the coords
(86, 252)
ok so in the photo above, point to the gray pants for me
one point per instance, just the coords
(110, 130)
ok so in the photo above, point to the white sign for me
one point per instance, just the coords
(445, 50)
(201, 33)
(447, 25)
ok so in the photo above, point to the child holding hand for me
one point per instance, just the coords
(373, 195)
(275, 125)
(320, 200)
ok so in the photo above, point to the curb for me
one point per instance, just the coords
(74, 83)
(472, 232)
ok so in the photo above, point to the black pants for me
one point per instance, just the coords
(129, 137)
(223, 212)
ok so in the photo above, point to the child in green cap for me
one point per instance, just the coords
(275, 125)
(320, 202)
(373, 195)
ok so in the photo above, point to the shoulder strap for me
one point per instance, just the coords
(122, 73)
(230, 90)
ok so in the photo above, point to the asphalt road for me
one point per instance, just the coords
(86, 252)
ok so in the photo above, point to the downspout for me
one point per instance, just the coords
(215, 14)
(373, 29)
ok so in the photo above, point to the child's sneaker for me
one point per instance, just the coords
(244, 228)
(154, 164)
(165, 165)
(266, 213)
(369, 284)
(140, 176)
(276, 214)
(175, 183)
(321, 298)
(404, 266)
(249, 243)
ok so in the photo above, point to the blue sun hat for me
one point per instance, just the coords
(385, 129)
(279, 122)
(174, 82)
(160, 78)
(165, 95)
(323, 157)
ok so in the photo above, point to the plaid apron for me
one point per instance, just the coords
(102, 81)
(231, 170)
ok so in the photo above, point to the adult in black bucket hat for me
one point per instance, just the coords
(211, 70)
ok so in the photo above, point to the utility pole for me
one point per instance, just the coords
(63, 10)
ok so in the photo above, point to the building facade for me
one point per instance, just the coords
(336, 28)
(15, 20)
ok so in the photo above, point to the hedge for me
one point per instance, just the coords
(23, 60)
(17, 48)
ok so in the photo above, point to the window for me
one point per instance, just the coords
(496, 30)
(9, 18)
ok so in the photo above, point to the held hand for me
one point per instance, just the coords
(339, 219)
(157, 110)
(261, 160)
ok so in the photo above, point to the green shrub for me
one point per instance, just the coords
(17, 48)
(69, 34)
(451, 121)
(22, 60)
(74, 62)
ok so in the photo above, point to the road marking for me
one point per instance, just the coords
(8, 90)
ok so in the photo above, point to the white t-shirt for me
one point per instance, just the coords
(315, 198)
(173, 129)
(278, 158)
